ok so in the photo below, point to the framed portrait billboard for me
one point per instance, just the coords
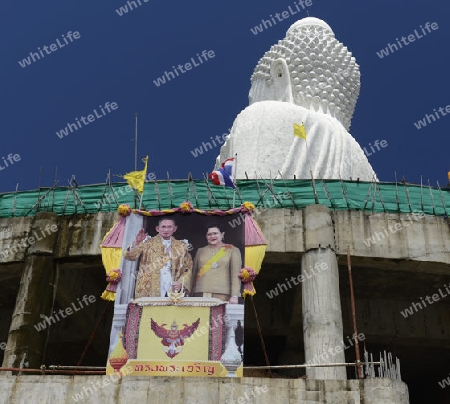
(184, 310)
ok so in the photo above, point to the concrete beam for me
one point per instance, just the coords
(395, 236)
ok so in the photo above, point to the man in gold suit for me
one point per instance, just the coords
(165, 261)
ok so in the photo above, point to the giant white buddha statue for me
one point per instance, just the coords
(307, 77)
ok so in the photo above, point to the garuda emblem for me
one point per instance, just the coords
(173, 339)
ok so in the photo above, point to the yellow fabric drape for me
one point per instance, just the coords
(111, 260)
(254, 256)
(111, 257)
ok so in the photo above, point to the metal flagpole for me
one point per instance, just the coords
(135, 154)
(156, 184)
(234, 179)
(140, 199)
(135, 142)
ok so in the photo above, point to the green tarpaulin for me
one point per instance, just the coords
(338, 195)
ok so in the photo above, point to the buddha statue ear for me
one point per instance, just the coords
(281, 81)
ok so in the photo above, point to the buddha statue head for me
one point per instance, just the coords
(309, 68)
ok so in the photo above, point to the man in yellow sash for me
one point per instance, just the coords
(216, 268)
(165, 261)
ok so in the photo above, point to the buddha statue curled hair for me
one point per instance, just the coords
(309, 77)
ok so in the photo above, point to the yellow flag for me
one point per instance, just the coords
(299, 131)
(136, 179)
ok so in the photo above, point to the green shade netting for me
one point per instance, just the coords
(337, 195)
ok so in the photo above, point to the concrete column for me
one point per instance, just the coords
(26, 345)
(321, 304)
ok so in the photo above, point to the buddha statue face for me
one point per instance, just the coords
(309, 68)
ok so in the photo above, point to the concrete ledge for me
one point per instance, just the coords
(94, 389)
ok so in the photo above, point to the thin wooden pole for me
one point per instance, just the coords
(261, 196)
(355, 330)
(15, 200)
(377, 189)
(188, 193)
(316, 198)
(158, 196)
(421, 193)
(169, 189)
(442, 198)
(367, 196)
(54, 188)
(407, 197)
(343, 192)
(396, 193)
(93, 333)
(263, 345)
(326, 191)
(194, 191)
(431, 196)
(39, 194)
(287, 189)
(210, 190)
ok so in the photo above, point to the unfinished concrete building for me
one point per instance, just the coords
(397, 237)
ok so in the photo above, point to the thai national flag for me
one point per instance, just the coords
(224, 175)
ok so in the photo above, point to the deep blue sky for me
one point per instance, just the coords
(117, 58)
